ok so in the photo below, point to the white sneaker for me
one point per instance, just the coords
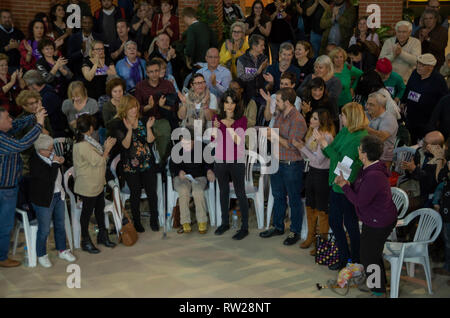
(44, 261)
(66, 255)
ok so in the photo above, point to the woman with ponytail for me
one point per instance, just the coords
(89, 162)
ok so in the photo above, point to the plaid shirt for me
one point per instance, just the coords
(10, 149)
(292, 126)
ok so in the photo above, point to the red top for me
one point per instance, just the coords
(227, 149)
(157, 25)
(144, 90)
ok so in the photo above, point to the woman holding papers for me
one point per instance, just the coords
(321, 129)
(371, 196)
(343, 154)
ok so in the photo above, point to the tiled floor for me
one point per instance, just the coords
(192, 265)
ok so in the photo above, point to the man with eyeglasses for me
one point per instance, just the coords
(433, 5)
(217, 77)
(423, 91)
(11, 170)
(402, 50)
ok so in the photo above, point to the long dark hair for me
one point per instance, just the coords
(369, 30)
(31, 26)
(53, 12)
(317, 82)
(84, 124)
(238, 110)
(251, 17)
(41, 16)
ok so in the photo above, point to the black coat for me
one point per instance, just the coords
(42, 184)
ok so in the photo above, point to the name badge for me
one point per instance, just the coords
(414, 96)
(250, 70)
(390, 90)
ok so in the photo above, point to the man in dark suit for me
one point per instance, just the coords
(10, 38)
(105, 20)
(79, 44)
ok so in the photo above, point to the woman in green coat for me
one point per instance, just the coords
(341, 210)
(347, 74)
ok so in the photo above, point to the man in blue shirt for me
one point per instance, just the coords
(217, 77)
(274, 71)
(11, 171)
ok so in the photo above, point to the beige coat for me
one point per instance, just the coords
(90, 169)
(405, 63)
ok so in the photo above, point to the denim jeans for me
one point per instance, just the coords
(8, 201)
(446, 234)
(45, 215)
(288, 181)
(316, 42)
(342, 212)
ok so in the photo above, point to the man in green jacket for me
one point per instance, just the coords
(198, 36)
(338, 22)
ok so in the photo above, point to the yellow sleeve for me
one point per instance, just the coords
(225, 55)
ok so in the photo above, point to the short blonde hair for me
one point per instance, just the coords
(93, 44)
(335, 52)
(25, 95)
(326, 61)
(127, 102)
(356, 117)
(76, 88)
(238, 24)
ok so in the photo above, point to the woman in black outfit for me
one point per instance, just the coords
(135, 139)
(259, 23)
(304, 59)
(315, 96)
(231, 164)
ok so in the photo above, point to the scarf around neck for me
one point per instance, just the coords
(135, 73)
(94, 143)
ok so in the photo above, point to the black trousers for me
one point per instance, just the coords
(96, 205)
(147, 180)
(236, 171)
(371, 251)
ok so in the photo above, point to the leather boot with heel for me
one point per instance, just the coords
(311, 215)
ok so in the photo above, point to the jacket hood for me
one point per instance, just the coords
(379, 166)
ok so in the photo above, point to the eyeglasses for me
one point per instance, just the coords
(213, 57)
(237, 32)
(199, 83)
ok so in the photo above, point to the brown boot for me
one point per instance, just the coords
(311, 215)
(324, 227)
(9, 263)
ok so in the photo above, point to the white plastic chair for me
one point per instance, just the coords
(75, 211)
(30, 231)
(172, 197)
(252, 192)
(401, 202)
(428, 229)
(125, 191)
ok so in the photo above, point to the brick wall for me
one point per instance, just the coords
(194, 3)
(391, 10)
(23, 11)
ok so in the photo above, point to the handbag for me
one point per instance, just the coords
(326, 249)
(127, 234)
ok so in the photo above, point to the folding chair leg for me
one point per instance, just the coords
(16, 237)
(68, 227)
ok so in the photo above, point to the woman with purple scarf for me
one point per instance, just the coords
(28, 48)
(131, 68)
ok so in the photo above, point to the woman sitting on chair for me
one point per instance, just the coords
(47, 198)
(89, 162)
(372, 198)
(135, 139)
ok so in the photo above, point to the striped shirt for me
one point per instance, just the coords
(10, 149)
(292, 126)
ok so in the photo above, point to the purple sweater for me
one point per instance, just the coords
(226, 149)
(371, 196)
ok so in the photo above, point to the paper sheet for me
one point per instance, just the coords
(344, 166)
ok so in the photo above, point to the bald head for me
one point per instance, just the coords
(434, 138)
(212, 58)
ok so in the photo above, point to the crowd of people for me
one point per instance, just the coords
(328, 89)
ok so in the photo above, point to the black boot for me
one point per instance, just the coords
(103, 238)
(88, 246)
(138, 226)
(154, 224)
